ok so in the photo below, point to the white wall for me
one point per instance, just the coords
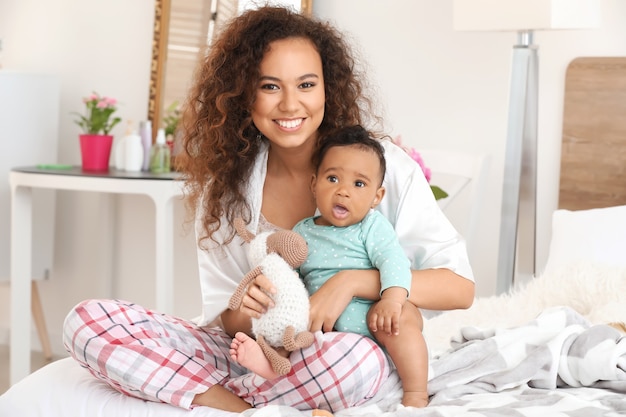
(447, 89)
(439, 88)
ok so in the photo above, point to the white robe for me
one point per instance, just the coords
(425, 233)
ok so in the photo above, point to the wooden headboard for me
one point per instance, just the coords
(593, 151)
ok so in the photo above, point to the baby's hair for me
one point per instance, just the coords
(352, 136)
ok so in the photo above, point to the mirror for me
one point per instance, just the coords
(182, 30)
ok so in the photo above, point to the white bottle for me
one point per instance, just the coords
(145, 131)
(119, 161)
(133, 152)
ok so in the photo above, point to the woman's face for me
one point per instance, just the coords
(347, 185)
(290, 98)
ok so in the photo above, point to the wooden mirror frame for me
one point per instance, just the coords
(159, 53)
(159, 50)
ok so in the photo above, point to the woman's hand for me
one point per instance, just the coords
(257, 299)
(333, 297)
(254, 303)
(327, 304)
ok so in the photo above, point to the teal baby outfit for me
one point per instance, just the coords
(370, 244)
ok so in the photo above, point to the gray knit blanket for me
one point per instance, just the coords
(556, 364)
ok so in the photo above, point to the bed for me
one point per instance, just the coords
(556, 346)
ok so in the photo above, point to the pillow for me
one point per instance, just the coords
(596, 235)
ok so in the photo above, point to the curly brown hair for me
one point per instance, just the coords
(220, 140)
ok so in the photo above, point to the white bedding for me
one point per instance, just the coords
(64, 389)
(504, 361)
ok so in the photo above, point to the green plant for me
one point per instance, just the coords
(171, 118)
(98, 115)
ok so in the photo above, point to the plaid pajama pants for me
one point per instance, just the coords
(161, 358)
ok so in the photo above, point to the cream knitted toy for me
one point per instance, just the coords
(275, 254)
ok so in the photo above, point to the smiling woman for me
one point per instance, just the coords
(182, 31)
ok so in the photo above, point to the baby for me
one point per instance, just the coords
(349, 235)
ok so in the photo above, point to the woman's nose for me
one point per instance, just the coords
(289, 101)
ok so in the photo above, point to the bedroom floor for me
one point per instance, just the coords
(36, 358)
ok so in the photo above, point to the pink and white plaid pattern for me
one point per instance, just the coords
(161, 358)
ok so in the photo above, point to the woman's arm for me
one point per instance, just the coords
(441, 289)
(433, 289)
(236, 321)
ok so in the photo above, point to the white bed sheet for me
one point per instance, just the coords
(64, 389)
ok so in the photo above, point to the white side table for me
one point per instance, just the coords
(161, 188)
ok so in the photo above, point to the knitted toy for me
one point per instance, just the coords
(275, 255)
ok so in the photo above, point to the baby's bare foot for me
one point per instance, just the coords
(247, 352)
(418, 399)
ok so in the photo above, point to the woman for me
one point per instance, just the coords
(273, 86)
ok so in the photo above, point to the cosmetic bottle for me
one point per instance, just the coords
(133, 152)
(119, 148)
(160, 154)
(118, 153)
(145, 131)
(128, 152)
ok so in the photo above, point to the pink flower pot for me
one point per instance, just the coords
(95, 151)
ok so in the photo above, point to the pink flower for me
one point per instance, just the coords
(415, 156)
(437, 191)
(98, 117)
(106, 102)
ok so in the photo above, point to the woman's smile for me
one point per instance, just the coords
(290, 124)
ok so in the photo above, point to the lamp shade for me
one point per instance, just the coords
(517, 15)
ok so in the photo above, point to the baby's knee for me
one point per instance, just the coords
(411, 316)
(410, 322)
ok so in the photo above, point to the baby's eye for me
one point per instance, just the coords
(333, 178)
(360, 184)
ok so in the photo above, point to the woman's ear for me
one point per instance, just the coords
(380, 193)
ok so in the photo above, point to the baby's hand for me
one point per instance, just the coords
(385, 316)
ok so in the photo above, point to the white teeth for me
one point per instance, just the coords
(289, 124)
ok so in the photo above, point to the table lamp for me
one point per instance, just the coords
(516, 256)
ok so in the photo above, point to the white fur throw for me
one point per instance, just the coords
(596, 291)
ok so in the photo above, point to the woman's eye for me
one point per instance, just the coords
(269, 87)
(307, 84)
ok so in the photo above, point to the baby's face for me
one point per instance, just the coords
(347, 185)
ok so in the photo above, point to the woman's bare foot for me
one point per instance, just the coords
(321, 413)
(418, 399)
(219, 397)
(247, 352)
